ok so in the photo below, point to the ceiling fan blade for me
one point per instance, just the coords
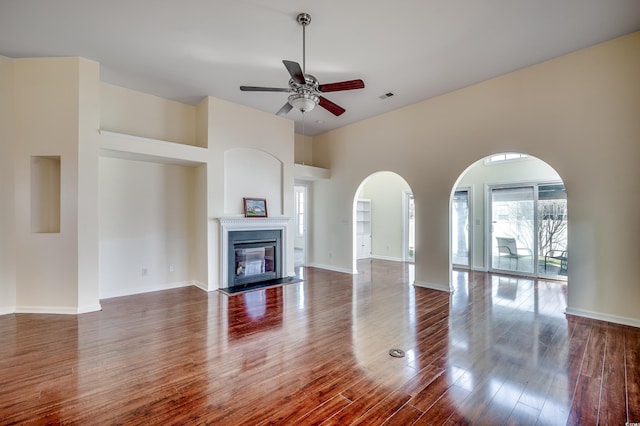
(262, 89)
(285, 109)
(295, 71)
(342, 85)
(330, 106)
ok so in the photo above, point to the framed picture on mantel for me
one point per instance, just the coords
(255, 207)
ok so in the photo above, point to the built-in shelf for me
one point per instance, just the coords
(305, 172)
(133, 147)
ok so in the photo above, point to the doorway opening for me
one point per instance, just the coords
(383, 219)
(301, 219)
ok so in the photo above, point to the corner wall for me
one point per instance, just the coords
(55, 114)
(578, 113)
(7, 194)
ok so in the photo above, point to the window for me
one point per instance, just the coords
(508, 156)
(300, 195)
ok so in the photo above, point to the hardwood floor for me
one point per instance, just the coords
(499, 350)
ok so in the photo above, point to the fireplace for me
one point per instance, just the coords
(253, 250)
(254, 256)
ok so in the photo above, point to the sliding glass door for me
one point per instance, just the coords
(512, 229)
(529, 229)
(553, 256)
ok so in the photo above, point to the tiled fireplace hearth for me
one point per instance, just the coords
(253, 250)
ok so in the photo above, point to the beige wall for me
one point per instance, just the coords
(48, 95)
(7, 207)
(228, 131)
(229, 153)
(54, 107)
(303, 149)
(135, 113)
(578, 113)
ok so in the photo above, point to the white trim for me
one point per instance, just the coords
(333, 268)
(142, 290)
(149, 140)
(432, 286)
(89, 308)
(392, 259)
(241, 223)
(8, 310)
(633, 322)
(202, 286)
(62, 310)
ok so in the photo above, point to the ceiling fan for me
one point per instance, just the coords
(305, 92)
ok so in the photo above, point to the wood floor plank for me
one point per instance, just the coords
(613, 407)
(499, 350)
(406, 415)
(632, 356)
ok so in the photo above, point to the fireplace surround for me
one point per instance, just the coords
(254, 256)
(260, 245)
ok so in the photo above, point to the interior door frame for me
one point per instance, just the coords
(405, 227)
(470, 218)
(305, 236)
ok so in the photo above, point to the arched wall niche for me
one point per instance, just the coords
(252, 173)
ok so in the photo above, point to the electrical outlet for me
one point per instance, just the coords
(170, 268)
(144, 272)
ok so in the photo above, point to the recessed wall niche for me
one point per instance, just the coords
(45, 194)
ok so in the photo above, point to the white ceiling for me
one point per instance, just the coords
(417, 49)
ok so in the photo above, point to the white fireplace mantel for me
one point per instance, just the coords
(236, 223)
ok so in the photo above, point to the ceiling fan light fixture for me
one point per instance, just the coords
(303, 102)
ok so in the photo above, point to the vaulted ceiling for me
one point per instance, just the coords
(415, 49)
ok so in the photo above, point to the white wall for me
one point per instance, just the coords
(480, 174)
(7, 206)
(147, 221)
(386, 191)
(578, 113)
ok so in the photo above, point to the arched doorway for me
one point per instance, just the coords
(515, 220)
(383, 219)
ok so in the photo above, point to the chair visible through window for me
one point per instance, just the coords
(508, 249)
(558, 255)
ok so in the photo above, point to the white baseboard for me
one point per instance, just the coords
(331, 268)
(5, 310)
(603, 317)
(202, 286)
(89, 308)
(140, 290)
(392, 259)
(432, 286)
(56, 310)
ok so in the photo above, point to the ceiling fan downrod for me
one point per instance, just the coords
(304, 19)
